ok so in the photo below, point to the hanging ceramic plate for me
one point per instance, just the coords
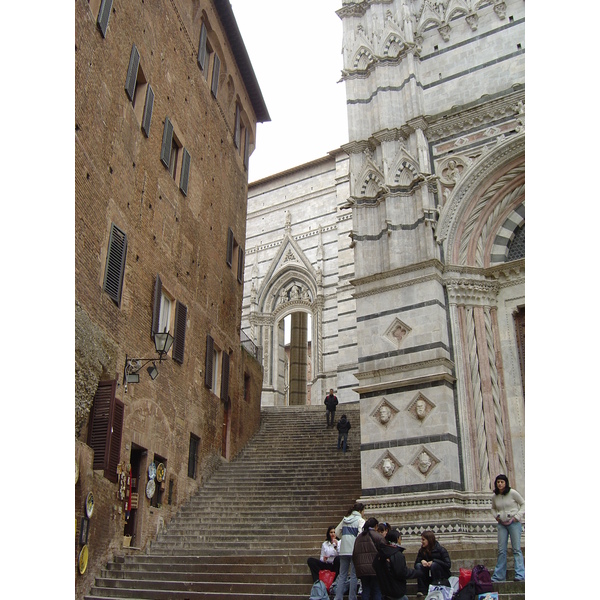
(152, 471)
(150, 488)
(83, 559)
(89, 505)
(160, 472)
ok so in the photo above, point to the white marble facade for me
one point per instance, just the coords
(422, 258)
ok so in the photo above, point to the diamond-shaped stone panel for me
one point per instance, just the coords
(384, 413)
(424, 462)
(420, 407)
(396, 333)
(388, 465)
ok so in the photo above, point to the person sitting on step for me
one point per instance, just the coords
(330, 556)
(432, 564)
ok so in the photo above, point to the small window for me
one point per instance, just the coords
(216, 369)
(115, 264)
(169, 315)
(193, 456)
(175, 157)
(214, 86)
(247, 383)
(139, 91)
(235, 256)
(237, 136)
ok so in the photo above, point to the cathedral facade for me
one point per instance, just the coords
(426, 260)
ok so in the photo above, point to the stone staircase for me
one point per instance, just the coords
(248, 532)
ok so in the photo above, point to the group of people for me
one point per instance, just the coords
(343, 425)
(368, 550)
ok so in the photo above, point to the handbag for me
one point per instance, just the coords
(464, 576)
(439, 592)
(327, 577)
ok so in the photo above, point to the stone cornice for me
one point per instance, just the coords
(402, 383)
(433, 263)
(427, 364)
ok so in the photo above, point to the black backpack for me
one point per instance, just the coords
(467, 593)
(482, 579)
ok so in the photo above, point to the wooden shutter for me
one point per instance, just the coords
(106, 429)
(115, 264)
(230, 240)
(240, 273)
(247, 149)
(156, 306)
(165, 151)
(132, 71)
(180, 324)
(185, 172)
(104, 15)
(214, 86)
(238, 126)
(148, 106)
(208, 363)
(202, 47)
(225, 377)
(116, 434)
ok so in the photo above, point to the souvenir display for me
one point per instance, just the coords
(150, 488)
(83, 559)
(152, 471)
(89, 505)
(160, 472)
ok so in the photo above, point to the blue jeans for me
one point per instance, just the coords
(370, 588)
(345, 564)
(343, 441)
(514, 531)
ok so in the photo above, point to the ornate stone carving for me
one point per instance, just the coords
(388, 465)
(384, 413)
(397, 332)
(420, 407)
(425, 462)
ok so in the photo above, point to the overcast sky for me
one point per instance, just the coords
(295, 50)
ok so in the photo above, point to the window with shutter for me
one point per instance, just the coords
(238, 125)
(115, 264)
(180, 325)
(148, 106)
(132, 72)
(230, 243)
(106, 429)
(214, 86)
(208, 363)
(202, 50)
(104, 16)
(185, 172)
(225, 377)
(167, 141)
(246, 149)
(240, 273)
(156, 307)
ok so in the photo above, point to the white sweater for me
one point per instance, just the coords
(508, 506)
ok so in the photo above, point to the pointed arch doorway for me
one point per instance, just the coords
(297, 365)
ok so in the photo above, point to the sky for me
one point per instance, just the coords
(295, 50)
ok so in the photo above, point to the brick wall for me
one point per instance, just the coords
(119, 179)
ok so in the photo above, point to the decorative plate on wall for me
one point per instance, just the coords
(89, 505)
(160, 472)
(150, 488)
(83, 559)
(152, 471)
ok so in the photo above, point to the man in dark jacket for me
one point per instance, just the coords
(331, 402)
(343, 428)
(390, 567)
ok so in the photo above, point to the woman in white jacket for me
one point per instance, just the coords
(508, 508)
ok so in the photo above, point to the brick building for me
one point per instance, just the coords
(166, 110)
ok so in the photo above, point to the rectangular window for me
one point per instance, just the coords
(246, 149)
(180, 325)
(106, 429)
(203, 53)
(214, 86)
(115, 264)
(238, 127)
(175, 157)
(213, 366)
(193, 456)
(247, 382)
(139, 91)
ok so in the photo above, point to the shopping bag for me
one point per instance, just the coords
(327, 577)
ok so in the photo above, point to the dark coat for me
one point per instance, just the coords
(365, 550)
(439, 555)
(392, 572)
(331, 402)
(343, 425)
